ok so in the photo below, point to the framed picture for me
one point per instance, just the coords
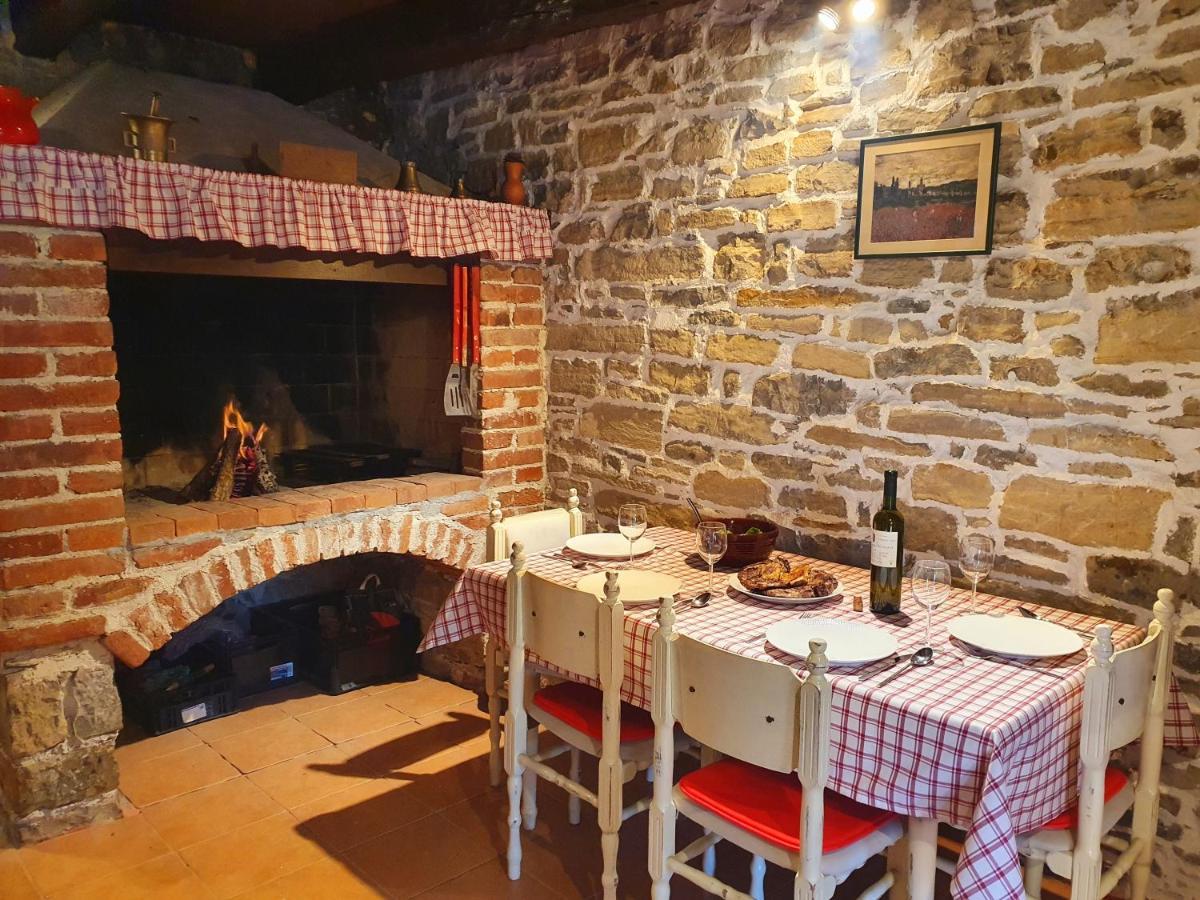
(927, 194)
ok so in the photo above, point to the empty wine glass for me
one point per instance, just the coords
(631, 522)
(976, 553)
(929, 584)
(712, 540)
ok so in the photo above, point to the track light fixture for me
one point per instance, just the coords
(860, 12)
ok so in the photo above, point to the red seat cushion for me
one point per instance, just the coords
(582, 707)
(767, 804)
(1114, 782)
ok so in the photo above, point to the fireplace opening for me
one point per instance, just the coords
(336, 380)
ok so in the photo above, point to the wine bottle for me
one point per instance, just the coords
(887, 552)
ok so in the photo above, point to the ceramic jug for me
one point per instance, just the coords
(16, 117)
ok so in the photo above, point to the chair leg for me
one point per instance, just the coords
(708, 864)
(492, 668)
(573, 802)
(758, 871)
(897, 863)
(529, 793)
(1035, 865)
(514, 746)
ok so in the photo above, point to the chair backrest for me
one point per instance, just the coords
(538, 531)
(1125, 691)
(757, 711)
(565, 627)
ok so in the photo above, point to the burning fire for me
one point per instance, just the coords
(251, 436)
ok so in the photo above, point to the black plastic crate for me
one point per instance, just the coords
(265, 657)
(163, 696)
(346, 644)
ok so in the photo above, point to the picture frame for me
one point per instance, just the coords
(928, 194)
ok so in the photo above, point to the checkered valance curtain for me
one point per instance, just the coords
(167, 201)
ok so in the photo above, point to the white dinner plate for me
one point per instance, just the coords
(847, 643)
(736, 584)
(635, 585)
(608, 546)
(1016, 636)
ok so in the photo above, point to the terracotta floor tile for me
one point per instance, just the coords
(261, 747)
(241, 721)
(301, 697)
(164, 878)
(329, 879)
(346, 721)
(487, 881)
(418, 856)
(426, 695)
(15, 884)
(447, 778)
(343, 819)
(250, 856)
(306, 778)
(91, 853)
(198, 816)
(173, 774)
(147, 748)
(391, 748)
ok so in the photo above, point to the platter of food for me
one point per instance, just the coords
(779, 580)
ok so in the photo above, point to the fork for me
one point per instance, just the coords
(1006, 661)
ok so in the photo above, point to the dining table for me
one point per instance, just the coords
(986, 744)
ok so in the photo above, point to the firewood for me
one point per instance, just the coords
(266, 481)
(202, 485)
(222, 488)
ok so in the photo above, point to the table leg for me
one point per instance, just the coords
(897, 863)
(922, 857)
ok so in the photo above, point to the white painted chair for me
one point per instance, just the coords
(581, 633)
(771, 727)
(538, 531)
(1124, 698)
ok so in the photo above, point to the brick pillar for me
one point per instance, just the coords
(61, 526)
(505, 445)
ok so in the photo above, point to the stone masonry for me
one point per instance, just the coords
(710, 334)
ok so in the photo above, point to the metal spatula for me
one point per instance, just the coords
(473, 306)
(454, 399)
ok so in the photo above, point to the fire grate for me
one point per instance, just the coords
(332, 463)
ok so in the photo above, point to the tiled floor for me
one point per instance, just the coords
(379, 793)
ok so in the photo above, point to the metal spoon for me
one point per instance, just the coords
(700, 600)
(922, 657)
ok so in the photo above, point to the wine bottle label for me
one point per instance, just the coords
(885, 547)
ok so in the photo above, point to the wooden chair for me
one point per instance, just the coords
(583, 634)
(1124, 698)
(771, 727)
(538, 531)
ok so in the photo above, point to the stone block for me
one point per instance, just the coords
(1087, 515)
(742, 493)
(1100, 439)
(922, 421)
(680, 378)
(946, 359)
(1147, 264)
(1151, 329)
(1115, 134)
(731, 422)
(1022, 404)
(1035, 370)
(992, 323)
(811, 295)
(625, 426)
(806, 396)
(952, 485)
(1165, 197)
(811, 215)
(1060, 58)
(827, 358)
(742, 348)
(1028, 278)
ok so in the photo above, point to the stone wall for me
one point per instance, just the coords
(710, 333)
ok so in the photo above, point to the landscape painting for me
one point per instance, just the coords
(927, 194)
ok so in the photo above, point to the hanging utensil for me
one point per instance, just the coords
(474, 293)
(453, 394)
(695, 510)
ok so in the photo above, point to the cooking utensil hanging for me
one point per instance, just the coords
(454, 400)
(475, 381)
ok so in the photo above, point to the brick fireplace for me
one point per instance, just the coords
(88, 577)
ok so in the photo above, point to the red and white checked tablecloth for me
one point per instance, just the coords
(71, 189)
(986, 746)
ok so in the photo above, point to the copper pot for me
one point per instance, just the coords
(147, 135)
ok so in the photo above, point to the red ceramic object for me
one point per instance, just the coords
(16, 117)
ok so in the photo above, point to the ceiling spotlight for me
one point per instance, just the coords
(829, 18)
(863, 10)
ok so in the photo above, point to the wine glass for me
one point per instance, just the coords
(631, 522)
(929, 584)
(712, 540)
(975, 556)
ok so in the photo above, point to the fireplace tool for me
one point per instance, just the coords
(475, 383)
(455, 399)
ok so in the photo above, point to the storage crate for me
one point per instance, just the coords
(262, 658)
(165, 696)
(348, 646)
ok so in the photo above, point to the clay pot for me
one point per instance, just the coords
(16, 117)
(513, 189)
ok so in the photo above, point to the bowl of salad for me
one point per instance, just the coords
(751, 540)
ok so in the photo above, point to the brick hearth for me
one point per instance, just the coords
(87, 576)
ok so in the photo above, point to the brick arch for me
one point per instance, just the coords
(160, 606)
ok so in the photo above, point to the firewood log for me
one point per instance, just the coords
(222, 487)
(267, 482)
